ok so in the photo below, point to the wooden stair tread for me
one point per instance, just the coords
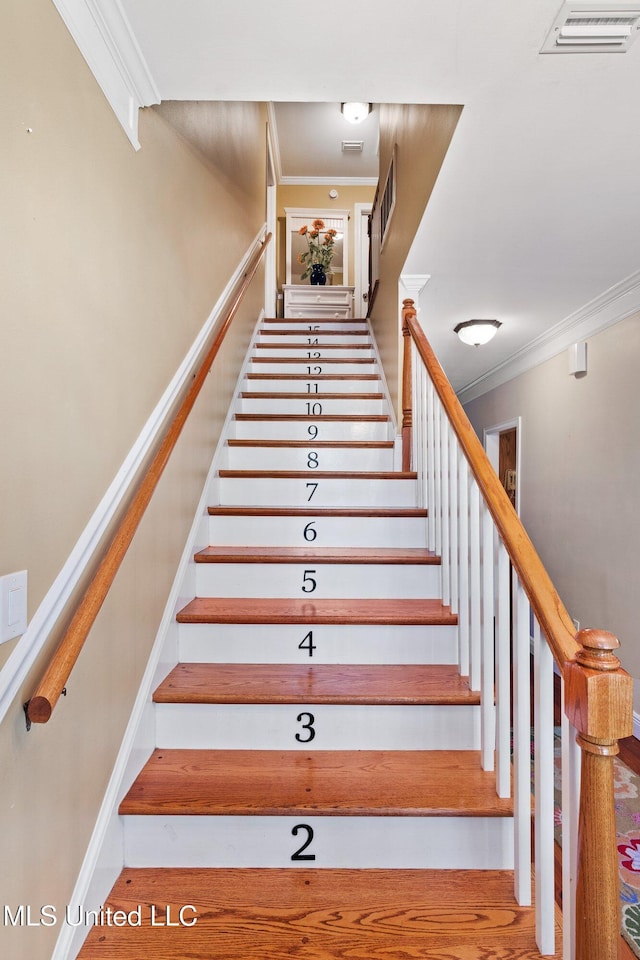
(315, 333)
(330, 417)
(409, 783)
(299, 395)
(351, 555)
(319, 444)
(312, 346)
(279, 914)
(337, 611)
(314, 376)
(320, 474)
(318, 512)
(314, 320)
(380, 684)
(371, 361)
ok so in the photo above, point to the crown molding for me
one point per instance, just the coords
(615, 304)
(106, 40)
(414, 283)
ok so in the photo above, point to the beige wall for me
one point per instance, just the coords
(580, 477)
(316, 196)
(111, 261)
(422, 133)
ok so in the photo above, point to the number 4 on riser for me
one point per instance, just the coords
(307, 643)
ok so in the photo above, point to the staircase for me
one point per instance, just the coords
(316, 789)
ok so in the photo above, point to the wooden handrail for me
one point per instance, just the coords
(598, 692)
(408, 310)
(40, 707)
(548, 608)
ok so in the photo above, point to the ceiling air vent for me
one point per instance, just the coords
(593, 28)
(352, 146)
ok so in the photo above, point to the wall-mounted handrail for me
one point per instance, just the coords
(40, 707)
(597, 691)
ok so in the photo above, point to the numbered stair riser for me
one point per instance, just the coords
(309, 726)
(314, 353)
(311, 340)
(293, 531)
(329, 643)
(310, 327)
(314, 368)
(308, 428)
(307, 458)
(310, 386)
(448, 843)
(317, 407)
(318, 580)
(324, 492)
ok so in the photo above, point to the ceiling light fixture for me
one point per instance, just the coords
(355, 112)
(477, 332)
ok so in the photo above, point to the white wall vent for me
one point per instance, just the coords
(352, 146)
(593, 28)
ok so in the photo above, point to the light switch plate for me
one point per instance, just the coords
(13, 605)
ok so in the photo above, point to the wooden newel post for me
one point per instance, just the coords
(599, 703)
(408, 310)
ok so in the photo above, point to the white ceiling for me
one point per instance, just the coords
(536, 211)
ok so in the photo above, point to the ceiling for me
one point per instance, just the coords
(534, 219)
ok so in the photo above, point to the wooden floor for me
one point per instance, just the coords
(317, 915)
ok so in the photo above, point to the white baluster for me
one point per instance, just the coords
(475, 594)
(487, 710)
(431, 466)
(453, 512)
(445, 560)
(463, 565)
(571, 760)
(503, 662)
(522, 748)
(437, 470)
(544, 771)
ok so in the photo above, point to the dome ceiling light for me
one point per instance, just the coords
(477, 332)
(355, 112)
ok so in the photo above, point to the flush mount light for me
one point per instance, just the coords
(355, 112)
(477, 332)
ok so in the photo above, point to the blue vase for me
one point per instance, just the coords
(318, 276)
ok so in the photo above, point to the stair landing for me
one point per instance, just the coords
(273, 914)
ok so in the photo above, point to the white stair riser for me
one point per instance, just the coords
(367, 581)
(449, 843)
(314, 367)
(315, 326)
(334, 643)
(304, 458)
(310, 387)
(314, 353)
(335, 727)
(320, 430)
(310, 406)
(316, 339)
(329, 492)
(330, 531)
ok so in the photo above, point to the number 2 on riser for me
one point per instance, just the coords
(299, 855)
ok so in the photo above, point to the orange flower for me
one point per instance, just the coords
(331, 232)
(318, 225)
(313, 234)
(302, 231)
(300, 258)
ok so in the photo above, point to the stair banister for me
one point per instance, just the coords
(597, 691)
(40, 707)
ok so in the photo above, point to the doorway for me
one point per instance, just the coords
(362, 212)
(503, 445)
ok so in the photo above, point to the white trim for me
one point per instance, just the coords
(414, 284)
(490, 441)
(329, 181)
(26, 651)
(275, 141)
(360, 210)
(104, 36)
(636, 725)
(615, 304)
(104, 858)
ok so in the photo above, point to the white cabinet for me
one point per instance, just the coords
(331, 302)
